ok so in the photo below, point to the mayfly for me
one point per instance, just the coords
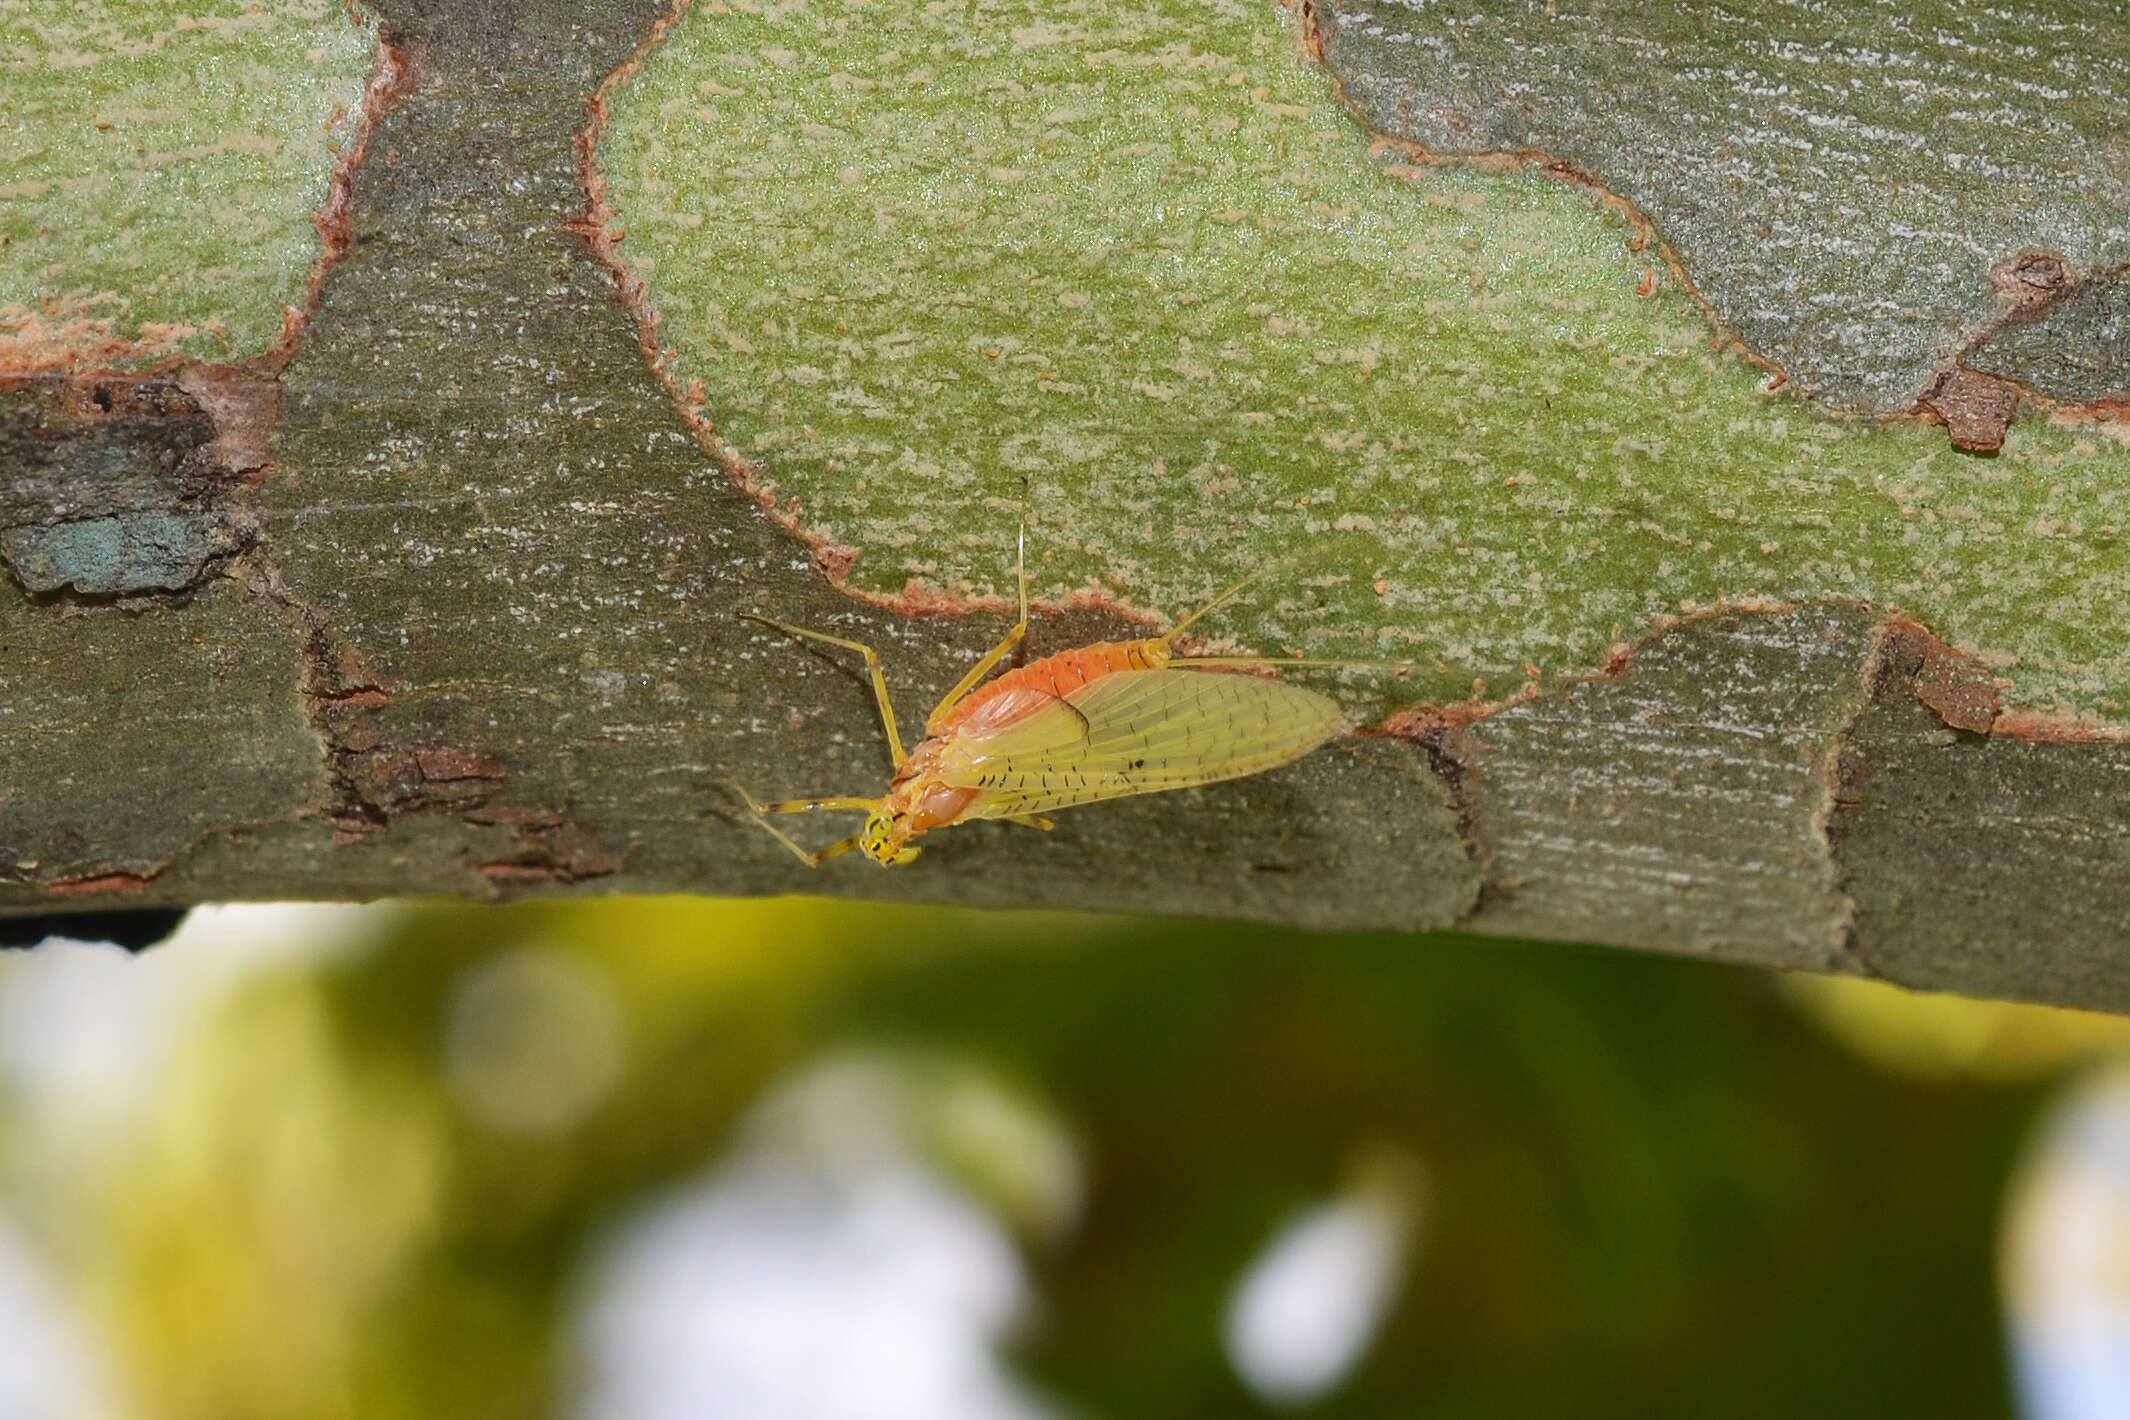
(1102, 721)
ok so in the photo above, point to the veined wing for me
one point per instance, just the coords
(1137, 732)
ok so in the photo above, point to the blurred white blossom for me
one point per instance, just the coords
(1311, 1303)
(48, 1369)
(89, 1030)
(824, 1271)
(2067, 1258)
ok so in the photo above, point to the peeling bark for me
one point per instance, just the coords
(1976, 408)
(120, 486)
(449, 603)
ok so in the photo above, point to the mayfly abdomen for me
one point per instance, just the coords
(1138, 732)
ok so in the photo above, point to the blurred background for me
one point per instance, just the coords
(802, 1160)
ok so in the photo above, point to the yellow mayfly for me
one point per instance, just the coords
(1099, 722)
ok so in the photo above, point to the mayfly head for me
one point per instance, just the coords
(881, 840)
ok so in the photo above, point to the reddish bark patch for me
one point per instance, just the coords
(516, 815)
(374, 780)
(1957, 687)
(1311, 29)
(244, 408)
(381, 782)
(64, 336)
(99, 883)
(94, 399)
(922, 599)
(2030, 282)
(1975, 408)
(2058, 729)
(1429, 723)
(451, 765)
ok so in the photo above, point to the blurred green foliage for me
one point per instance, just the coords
(1654, 1188)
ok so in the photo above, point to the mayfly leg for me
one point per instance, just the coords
(997, 653)
(812, 859)
(849, 804)
(872, 665)
(1168, 637)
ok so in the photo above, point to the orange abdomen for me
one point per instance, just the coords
(1020, 692)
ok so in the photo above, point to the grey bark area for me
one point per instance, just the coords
(2078, 348)
(1862, 192)
(1595, 805)
(458, 611)
(1978, 863)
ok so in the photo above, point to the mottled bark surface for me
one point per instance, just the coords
(1839, 181)
(451, 604)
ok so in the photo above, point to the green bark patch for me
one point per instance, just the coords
(1140, 259)
(1838, 180)
(161, 165)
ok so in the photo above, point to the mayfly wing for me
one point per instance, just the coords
(1137, 732)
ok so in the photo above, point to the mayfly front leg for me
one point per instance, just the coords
(811, 859)
(872, 666)
(762, 811)
(997, 653)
